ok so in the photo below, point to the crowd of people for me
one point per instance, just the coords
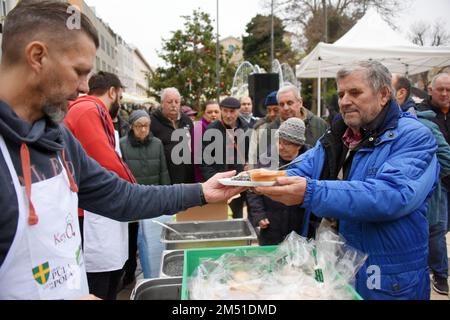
(82, 183)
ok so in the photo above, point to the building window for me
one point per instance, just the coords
(103, 66)
(102, 42)
(97, 63)
(108, 48)
(231, 49)
(3, 8)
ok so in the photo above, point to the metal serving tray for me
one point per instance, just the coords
(226, 233)
(172, 262)
(158, 289)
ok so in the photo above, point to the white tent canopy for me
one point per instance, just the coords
(129, 98)
(372, 38)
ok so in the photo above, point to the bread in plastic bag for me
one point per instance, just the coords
(297, 270)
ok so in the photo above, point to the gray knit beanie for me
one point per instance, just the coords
(292, 130)
(137, 114)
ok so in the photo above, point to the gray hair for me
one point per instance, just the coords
(436, 77)
(165, 91)
(289, 88)
(376, 74)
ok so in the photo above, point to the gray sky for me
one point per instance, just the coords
(144, 23)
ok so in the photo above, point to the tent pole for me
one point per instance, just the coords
(319, 89)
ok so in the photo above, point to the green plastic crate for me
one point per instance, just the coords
(194, 257)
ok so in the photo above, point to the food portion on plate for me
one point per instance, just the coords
(264, 175)
(259, 175)
(254, 178)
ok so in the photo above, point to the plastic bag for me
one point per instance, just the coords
(298, 269)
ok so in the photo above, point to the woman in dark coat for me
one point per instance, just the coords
(144, 155)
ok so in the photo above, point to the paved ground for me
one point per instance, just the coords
(125, 293)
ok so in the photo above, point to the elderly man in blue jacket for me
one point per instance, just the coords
(373, 172)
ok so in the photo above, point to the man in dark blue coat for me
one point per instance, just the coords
(439, 103)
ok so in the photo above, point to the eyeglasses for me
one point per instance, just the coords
(285, 143)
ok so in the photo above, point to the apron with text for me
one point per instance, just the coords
(45, 260)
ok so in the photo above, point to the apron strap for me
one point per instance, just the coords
(73, 185)
(33, 219)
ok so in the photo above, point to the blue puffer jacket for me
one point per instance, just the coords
(381, 206)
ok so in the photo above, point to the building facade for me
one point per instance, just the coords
(125, 65)
(234, 46)
(114, 54)
(141, 71)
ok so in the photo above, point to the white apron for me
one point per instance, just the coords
(45, 261)
(105, 240)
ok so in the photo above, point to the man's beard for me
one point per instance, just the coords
(114, 111)
(56, 111)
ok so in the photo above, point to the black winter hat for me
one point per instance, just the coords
(231, 103)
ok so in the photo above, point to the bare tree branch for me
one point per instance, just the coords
(440, 34)
(418, 33)
(423, 34)
(304, 17)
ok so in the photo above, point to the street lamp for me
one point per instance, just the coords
(271, 36)
(217, 55)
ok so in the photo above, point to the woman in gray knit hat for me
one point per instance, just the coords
(274, 219)
(144, 155)
(291, 139)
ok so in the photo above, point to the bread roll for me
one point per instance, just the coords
(263, 175)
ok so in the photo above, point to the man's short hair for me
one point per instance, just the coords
(33, 20)
(403, 83)
(439, 75)
(289, 88)
(165, 91)
(377, 75)
(101, 82)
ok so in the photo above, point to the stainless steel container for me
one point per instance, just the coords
(172, 262)
(204, 234)
(158, 289)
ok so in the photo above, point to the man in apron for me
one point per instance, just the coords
(105, 240)
(45, 174)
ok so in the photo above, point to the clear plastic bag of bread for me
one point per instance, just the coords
(298, 269)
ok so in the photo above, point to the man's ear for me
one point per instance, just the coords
(385, 95)
(112, 93)
(430, 90)
(36, 53)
